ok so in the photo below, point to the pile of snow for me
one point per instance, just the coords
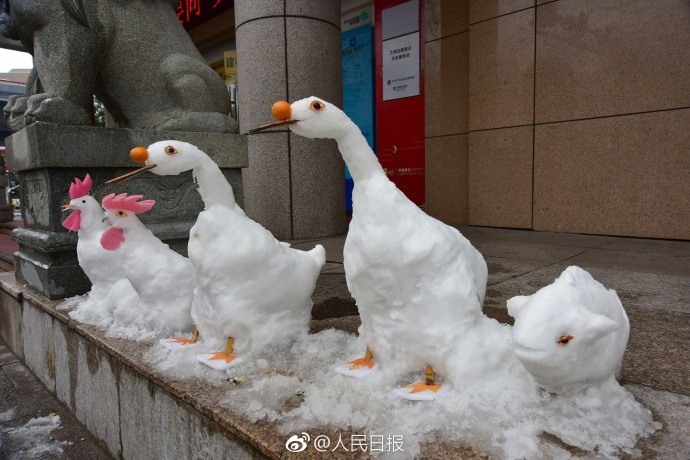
(33, 440)
(119, 314)
(501, 412)
(8, 415)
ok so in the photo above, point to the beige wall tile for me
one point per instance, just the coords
(446, 176)
(627, 175)
(502, 71)
(611, 57)
(500, 182)
(445, 17)
(481, 10)
(446, 86)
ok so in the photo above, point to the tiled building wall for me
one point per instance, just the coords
(446, 74)
(577, 119)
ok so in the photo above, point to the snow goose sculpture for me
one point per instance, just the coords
(251, 289)
(418, 283)
(571, 333)
(161, 277)
(100, 266)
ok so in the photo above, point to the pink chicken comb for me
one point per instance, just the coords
(127, 203)
(80, 188)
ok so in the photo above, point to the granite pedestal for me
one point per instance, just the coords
(49, 156)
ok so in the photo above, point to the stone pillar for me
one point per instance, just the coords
(48, 157)
(289, 50)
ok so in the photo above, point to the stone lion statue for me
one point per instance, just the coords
(134, 55)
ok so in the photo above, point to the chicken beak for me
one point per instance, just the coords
(271, 125)
(67, 207)
(129, 175)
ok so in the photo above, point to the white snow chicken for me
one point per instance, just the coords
(100, 265)
(162, 278)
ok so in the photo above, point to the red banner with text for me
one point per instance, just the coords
(400, 94)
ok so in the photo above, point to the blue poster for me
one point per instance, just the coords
(358, 87)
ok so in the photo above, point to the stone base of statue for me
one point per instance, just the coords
(49, 156)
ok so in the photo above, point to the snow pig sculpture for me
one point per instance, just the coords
(571, 333)
(133, 55)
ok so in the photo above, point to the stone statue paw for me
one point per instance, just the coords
(14, 112)
(45, 107)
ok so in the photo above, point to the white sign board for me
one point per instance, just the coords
(400, 20)
(401, 67)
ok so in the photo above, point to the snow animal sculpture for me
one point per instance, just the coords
(82, 48)
(418, 283)
(162, 278)
(99, 265)
(250, 288)
(571, 333)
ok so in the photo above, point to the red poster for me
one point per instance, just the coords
(400, 122)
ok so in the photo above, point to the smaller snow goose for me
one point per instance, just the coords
(571, 333)
(251, 290)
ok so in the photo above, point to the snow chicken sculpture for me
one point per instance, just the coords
(251, 289)
(162, 278)
(418, 283)
(100, 266)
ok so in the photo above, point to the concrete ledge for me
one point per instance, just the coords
(136, 413)
(11, 315)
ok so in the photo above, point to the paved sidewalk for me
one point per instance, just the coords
(23, 398)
